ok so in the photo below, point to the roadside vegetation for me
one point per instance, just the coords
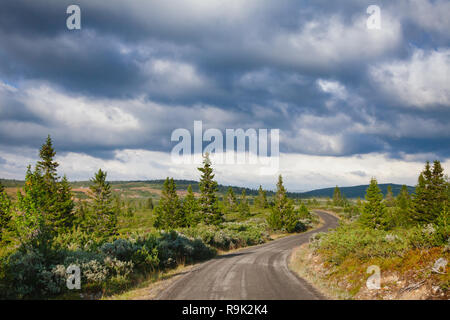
(119, 239)
(406, 236)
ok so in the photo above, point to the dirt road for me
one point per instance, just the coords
(259, 273)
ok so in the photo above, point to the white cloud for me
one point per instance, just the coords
(327, 42)
(174, 77)
(333, 87)
(433, 16)
(420, 82)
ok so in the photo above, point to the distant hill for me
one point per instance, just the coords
(351, 192)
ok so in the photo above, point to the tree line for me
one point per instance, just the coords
(427, 205)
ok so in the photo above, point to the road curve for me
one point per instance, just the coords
(255, 273)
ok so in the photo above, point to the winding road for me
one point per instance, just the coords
(255, 273)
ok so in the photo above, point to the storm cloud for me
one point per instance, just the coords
(137, 70)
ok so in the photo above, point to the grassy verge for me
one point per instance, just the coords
(337, 263)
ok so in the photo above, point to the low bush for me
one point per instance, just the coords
(113, 264)
(354, 241)
(230, 235)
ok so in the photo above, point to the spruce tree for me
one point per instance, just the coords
(374, 210)
(29, 223)
(337, 198)
(261, 200)
(46, 206)
(104, 217)
(55, 199)
(282, 216)
(169, 213)
(208, 202)
(64, 216)
(438, 189)
(303, 211)
(389, 200)
(191, 208)
(230, 200)
(2, 187)
(244, 208)
(403, 202)
(47, 166)
(430, 194)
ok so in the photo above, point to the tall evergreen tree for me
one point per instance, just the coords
(47, 166)
(208, 202)
(191, 208)
(403, 202)
(374, 210)
(430, 195)
(282, 216)
(261, 200)
(48, 195)
(2, 187)
(244, 208)
(31, 227)
(389, 200)
(104, 216)
(337, 197)
(169, 213)
(230, 200)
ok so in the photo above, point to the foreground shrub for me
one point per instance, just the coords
(35, 274)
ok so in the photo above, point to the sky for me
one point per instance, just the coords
(350, 102)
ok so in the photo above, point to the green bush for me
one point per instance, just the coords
(353, 240)
(36, 274)
(230, 235)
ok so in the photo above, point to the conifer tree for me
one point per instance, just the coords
(337, 198)
(2, 187)
(47, 200)
(389, 200)
(261, 200)
(47, 166)
(208, 202)
(191, 208)
(230, 200)
(64, 217)
(303, 211)
(244, 208)
(403, 207)
(374, 210)
(430, 194)
(29, 224)
(103, 215)
(282, 216)
(169, 214)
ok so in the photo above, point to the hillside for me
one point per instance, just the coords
(351, 192)
(145, 187)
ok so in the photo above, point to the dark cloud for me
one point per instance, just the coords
(141, 69)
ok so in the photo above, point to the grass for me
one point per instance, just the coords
(337, 263)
